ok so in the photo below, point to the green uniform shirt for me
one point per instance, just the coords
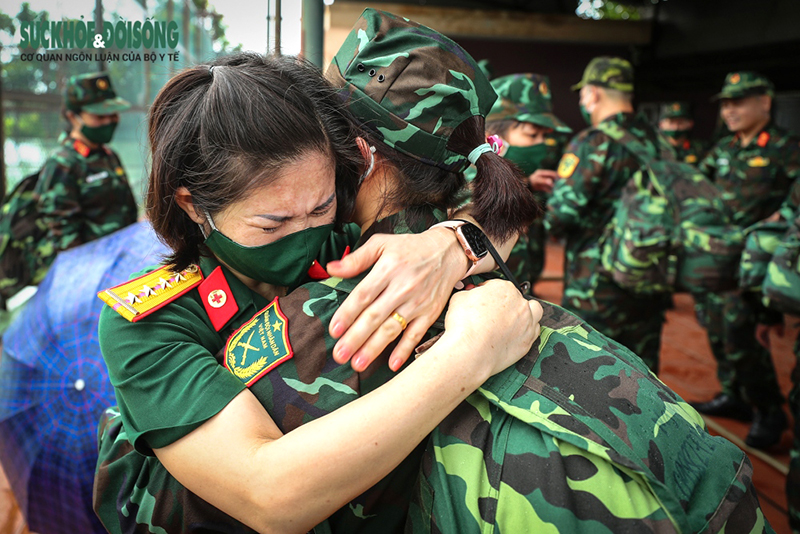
(83, 194)
(755, 180)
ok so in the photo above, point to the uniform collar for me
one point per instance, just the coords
(619, 118)
(249, 301)
(761, 140)
(82, 148)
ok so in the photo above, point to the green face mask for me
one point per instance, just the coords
(675, 134)
(586, 114)
(99, 134)
(284, 262)
(527, 158)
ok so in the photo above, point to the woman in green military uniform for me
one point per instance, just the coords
(83, 190)
(213, 366)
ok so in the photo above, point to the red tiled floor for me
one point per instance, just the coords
(688, 367)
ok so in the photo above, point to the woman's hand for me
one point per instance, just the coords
(413, 276)
(494, 323)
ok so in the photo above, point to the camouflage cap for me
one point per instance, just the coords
(525, 97)
(486, 68)
(410, 85)
(675, 110)
(93, 93)
(745, 83)
(611, 72)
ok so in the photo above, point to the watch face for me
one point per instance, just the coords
(475, 238)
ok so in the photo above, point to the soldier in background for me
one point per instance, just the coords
(592, 175)
(754, 167)
(83, 191)
(675, 122)
(534, 139)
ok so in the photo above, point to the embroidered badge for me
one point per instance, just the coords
(758, 161)
(259, 346)
(691, 158)
(102, 84)
(217, 298)
(763, 139)
(567, 166)
(544, 89)
(735, 78)
(550, 142)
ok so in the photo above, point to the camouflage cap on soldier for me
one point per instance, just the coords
(93, 93)
(410, 85)
(525, 97)
(745, 83)
(675, 110)
(610, 72)
(486, 68)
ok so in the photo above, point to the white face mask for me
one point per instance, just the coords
(371, 166)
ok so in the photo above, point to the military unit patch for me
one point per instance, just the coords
(260, 345)
(145, 294)
(567, 166)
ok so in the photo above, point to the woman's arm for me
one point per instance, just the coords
(414, 275)
(239, 462)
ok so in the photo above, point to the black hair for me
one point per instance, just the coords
(502, 203)
(223, 131)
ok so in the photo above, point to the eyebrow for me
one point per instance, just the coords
(280, 219)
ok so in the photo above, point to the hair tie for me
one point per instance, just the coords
(477, 151)
(496, 143)
(211, 71)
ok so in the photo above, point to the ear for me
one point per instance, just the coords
(184, 200)
(766, 103)
(72, 117)
(364, 148)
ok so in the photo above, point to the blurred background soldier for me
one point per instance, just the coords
(592, 174)
(83, 190)
(675, 121)
(755, 168)
(534, 139)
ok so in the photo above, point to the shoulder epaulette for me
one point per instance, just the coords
(139, 297)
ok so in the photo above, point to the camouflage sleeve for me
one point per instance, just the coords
(708, 164)
(59, 206)
(580, 174)
(790, 206)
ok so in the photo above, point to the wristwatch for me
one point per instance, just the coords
(472, 240)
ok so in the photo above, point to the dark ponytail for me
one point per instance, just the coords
(502, 202)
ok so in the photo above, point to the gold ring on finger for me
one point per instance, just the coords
(400, 319)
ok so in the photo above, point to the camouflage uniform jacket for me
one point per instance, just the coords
(756, 179)
(578, 436)
(83, 194)
(592, 173)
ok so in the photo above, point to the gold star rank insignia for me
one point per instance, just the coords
(568, 164)
(151, 291)
(259, 345)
